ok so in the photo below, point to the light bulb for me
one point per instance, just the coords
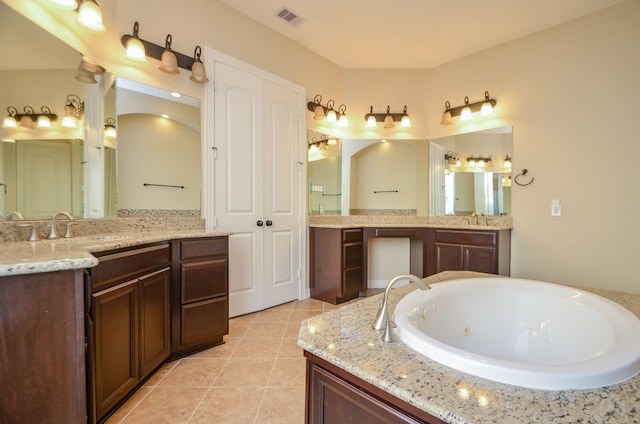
(371, 121)
(9, 122)
(405, 122)
(90, 17)
(44, 121)
(331, 116)
(343, 121)
(486, 109)
(135, 51)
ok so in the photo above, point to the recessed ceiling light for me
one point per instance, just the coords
(174, 94)
(165, 116)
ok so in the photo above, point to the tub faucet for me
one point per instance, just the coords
(382, 321)
(53, 233)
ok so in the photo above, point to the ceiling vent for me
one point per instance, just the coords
(288, 16)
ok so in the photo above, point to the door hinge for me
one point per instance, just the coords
(215, 222)
(215, 152)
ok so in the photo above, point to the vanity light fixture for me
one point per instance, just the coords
(507, 162)
(479, 160)
(466, 111)
(138, 50)
(321, 112)
(388, 118)
(10, 120)
(452, 158)
(29, 119)
(87, 71)
(73, 111)
(110, 128)
(168, 60)
(343, 121)
(135, 47)
(90, 17)
(198, 73)
(323, 143)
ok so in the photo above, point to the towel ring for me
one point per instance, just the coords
(522, 174)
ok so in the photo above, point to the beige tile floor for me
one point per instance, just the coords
(257, 376)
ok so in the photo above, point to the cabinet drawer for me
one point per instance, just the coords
(202, 248)
(118, 267)
(204, 321)
(352, 235)
(203, 280)
(352, 255)
(486, 238)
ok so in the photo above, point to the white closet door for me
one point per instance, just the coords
(281, 195)
(257, 187)
(239, 181)
(43, 177)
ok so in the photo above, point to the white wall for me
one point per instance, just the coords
(571, 93)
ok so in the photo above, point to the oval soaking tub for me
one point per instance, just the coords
(522, 332)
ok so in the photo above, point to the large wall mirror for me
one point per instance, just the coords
(325, 174)
(47, 170)
(419, 177)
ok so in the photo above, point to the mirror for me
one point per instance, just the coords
(475, 174)
(411, 177)
(325, 174)
(42, 169)
(40, 70)
(158, 151)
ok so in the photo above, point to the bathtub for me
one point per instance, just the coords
(522, 332)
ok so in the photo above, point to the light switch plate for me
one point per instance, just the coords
(556, 207)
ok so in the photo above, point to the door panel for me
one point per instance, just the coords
(281, 194)
(238, 182)
(43, 178)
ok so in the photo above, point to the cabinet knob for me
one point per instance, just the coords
(259, 223)
(269, 223)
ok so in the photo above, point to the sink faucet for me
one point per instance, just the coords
(15, 214)
(382, 321)
(474, 219)
(53, 233)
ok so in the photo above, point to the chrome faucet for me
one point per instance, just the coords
(382, 321)
(15, 214)
(53, 233)
(474, 219)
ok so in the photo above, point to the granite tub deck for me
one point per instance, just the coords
(23, 257)
(344, 337)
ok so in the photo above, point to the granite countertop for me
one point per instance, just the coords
(23, 257)
(410, 221)
(344, 337)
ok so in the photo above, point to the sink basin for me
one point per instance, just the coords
(522, 332)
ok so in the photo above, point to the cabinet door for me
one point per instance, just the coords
(332, 400)
(115, 370)
(155, 320)
(481, 259)
(448, 257)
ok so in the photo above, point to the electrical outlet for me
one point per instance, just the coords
(556, 207)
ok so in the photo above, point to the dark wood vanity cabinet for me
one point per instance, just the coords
(42, 346)
(336, 269)
(335, 396)
(469, 250)
(128, 322)
(200, 295)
